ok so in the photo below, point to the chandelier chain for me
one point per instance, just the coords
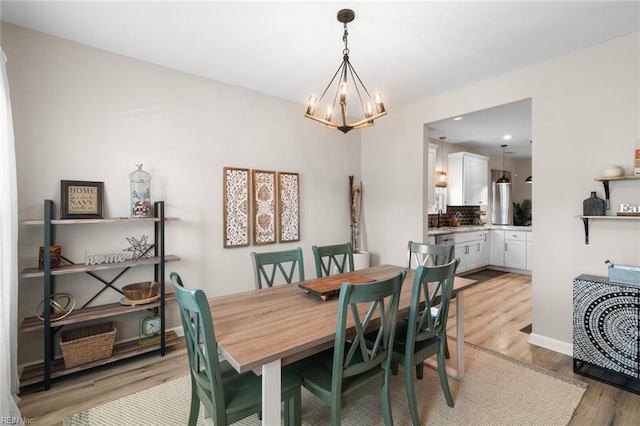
(345, 40)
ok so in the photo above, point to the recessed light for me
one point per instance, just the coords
(457, 118)
(506, 137)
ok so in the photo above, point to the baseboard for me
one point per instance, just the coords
(504, 269)
(551, 344)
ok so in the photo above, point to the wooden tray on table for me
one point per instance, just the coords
(330, 286)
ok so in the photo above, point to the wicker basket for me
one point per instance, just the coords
(87, 344)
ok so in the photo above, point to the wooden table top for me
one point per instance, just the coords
(283, 322)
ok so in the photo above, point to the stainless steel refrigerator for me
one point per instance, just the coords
(501, 205)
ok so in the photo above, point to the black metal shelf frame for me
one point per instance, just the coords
(50, 284)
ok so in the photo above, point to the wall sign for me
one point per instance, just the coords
(289, 204)
(236, 207)
(81, 199)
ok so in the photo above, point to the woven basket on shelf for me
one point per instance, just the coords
(87, 344)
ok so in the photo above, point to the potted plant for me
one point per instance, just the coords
(360, 257)
(522, 213)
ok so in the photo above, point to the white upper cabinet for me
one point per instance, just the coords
(468, 179)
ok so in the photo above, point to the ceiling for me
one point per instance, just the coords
(406, 50)
(485, 130)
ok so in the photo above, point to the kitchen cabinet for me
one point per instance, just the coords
(530, 251)
(508, 248)
(515, 250)
(496, 247)
(468, 179)
(483, 250)
(50, 367)
(606, 344)
(471, 248)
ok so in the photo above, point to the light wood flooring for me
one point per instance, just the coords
(495, 312)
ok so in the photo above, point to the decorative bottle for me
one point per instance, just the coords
(593, 206)
(140, 182)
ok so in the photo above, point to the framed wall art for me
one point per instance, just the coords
(81, 199)
(288, 207)
(236, 204)
(264, 207)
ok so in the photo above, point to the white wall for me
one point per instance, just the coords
(86, 114)
(586, 116)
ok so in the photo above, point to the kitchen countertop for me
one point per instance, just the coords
(472, 228)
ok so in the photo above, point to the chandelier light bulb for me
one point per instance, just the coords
(329, 113)
(311, 108)
(369, 109)
(377, 98)
(344, 89)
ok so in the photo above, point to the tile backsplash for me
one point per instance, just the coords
(471, 215)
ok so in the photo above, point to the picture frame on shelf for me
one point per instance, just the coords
(81, 199)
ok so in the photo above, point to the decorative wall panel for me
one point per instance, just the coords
(264, 207)
(236, 204)
(288, 209)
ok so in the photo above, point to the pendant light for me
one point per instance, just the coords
(441, 176)
(354, 91)
(504, 178)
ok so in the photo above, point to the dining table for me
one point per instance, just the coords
(266, 329)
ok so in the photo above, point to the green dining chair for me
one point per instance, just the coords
(428, 254)
(339, 256)
(227, 395)
(424, 334)
(350, 370)
(267, 265)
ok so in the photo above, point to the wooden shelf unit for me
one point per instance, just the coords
(51, 367)
(605, 182)
(81, 267)
(34, 373)
(93, 313)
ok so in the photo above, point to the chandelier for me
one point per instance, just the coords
(371, 106)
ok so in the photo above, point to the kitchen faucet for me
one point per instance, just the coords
(439, 216)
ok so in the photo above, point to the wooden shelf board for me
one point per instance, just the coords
(91, 221)
(34, 373)
(630, 177)
(81, 267)
(610, 217)
(92, 313)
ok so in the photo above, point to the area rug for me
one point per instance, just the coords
(496, 390)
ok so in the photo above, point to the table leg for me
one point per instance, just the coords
(459, 335)
(271, 394)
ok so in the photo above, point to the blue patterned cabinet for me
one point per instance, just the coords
(606, 331)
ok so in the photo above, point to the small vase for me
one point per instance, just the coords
(360, 260)
(593, 206)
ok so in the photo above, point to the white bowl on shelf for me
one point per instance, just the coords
(613, 171)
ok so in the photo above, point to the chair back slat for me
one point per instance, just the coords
(352, 356)
(200, 339)
(339, 256)
(432, 289)
(267, 265)
(428, 254)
